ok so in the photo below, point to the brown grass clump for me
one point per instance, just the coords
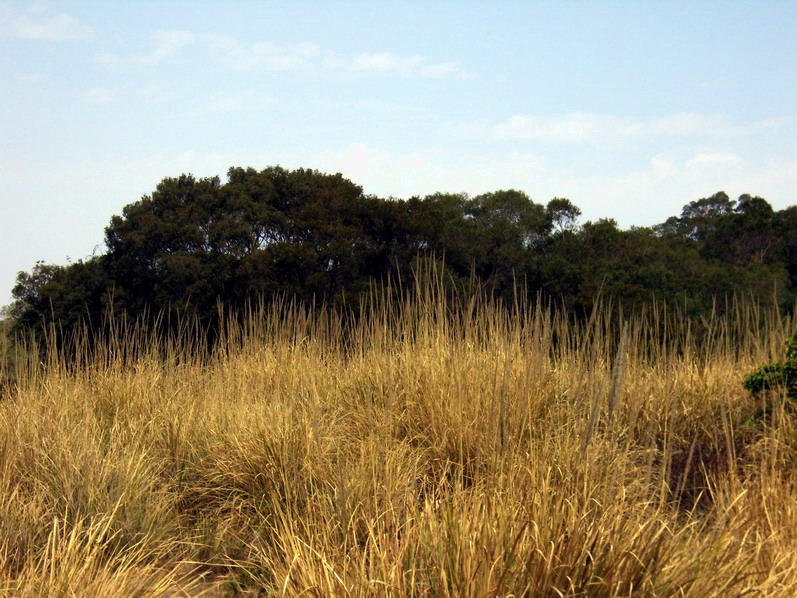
(424, 451)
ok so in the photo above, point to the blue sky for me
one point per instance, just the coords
(630, 109)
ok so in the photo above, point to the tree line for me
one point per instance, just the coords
(197, 242)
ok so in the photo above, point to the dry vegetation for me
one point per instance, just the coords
(427, 451)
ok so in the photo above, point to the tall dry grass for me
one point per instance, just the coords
(427, 450)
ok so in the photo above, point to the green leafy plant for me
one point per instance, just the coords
(774, 376)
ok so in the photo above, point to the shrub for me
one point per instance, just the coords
(780, 374)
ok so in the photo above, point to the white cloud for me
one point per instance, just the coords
(471, 130)
(154, 92)
(233, 54)
(167, 44)
(31, 78)
(719, 160)
(775, 123)
(423, 172)
(356, 161)
(577, 127)
(231, 103)
(444, 69)
(222, 49)
(225, 104)
(648, 194)
(663, 167)
(110, 59)
(387, 62)
(601, 129)
(36, 26)
(642, 193)
(100, 95)
(685, 123)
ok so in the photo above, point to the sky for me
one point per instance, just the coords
(629, 109)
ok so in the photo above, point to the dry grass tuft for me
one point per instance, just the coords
(425, 451)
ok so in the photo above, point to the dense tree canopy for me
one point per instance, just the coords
(194, 243)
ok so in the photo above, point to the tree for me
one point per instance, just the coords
(318, 238)
(745, 235)
(562, 214)
(170, 248)
(698, 218)
(73, 295)
(196, 242)
(786, 231)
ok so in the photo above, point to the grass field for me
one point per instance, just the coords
(427, 451)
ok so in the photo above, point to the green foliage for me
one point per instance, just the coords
(563, 214)
(70, 295)
(777, 375)
(261, 235)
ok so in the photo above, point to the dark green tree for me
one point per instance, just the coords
(508, 230)
(316, 237)
(699, 218)
(562, 214)
(745, 235)
(72, 295)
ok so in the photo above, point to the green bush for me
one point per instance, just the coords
(780, 374)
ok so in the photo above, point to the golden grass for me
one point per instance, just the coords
(426, 451)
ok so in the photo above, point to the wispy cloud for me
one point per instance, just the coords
(230, 103)
(237, 56)
(31, 78)
(578, 127)
(426, 171)
(701, 164)
(444, 69)
(663, 167)
(221, 49)
(34, 25)
(383, 62)
(718, 160)
(154, 92)
(387, 62)
(659, 186)
(233, 54)
(100, 95)
(588, 128)
(147, 93)
(166, 44)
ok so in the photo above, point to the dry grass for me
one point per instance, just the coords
(425, 452)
